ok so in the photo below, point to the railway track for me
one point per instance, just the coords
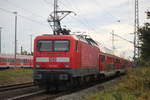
(28, 95)
(16, 86)
(39, 95)
(43, 95)
(17, 90)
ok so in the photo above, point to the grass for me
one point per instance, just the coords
(135, 86)
(13, 76)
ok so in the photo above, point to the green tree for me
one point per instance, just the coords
(144, 37)
(148, 15)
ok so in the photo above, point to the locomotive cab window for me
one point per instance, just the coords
(53, 45)
(61, 45)
(45, 45)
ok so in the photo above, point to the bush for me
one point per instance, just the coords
(135, 86)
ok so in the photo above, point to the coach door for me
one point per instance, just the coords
(102, 63)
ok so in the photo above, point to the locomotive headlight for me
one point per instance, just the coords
(66, 65)
(62, 59)
(37, 66)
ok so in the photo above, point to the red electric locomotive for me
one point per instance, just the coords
(65, 59)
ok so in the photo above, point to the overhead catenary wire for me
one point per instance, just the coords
(106, 12)
(89, 25)
(124, 39)
(48, 2)
(19, 7)
(5, 10)
(78, 20)
(82, 21)
(27, 18)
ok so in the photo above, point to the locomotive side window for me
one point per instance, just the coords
(61, 45)
(77, 46)
(45, 45)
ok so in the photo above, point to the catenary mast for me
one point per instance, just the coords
(136, 33)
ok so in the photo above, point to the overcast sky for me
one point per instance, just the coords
(95, 17)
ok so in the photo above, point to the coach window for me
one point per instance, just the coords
(1, 60)
(5, 60)
(28, 60)
(17, 60)
(25, 60)
(8, 59)
(12, 60)
(20, 60)
(103, 58)
(117, 61)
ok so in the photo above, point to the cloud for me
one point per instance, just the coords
(95, 17)
(90, 7)
(119, 28)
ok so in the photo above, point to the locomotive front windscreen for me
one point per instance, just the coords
(44, 45)
(53, 45)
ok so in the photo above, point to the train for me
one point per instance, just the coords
(69, 60)
(22, 61)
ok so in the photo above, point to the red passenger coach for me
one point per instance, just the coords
(107, 65)
(110, 65)
(22, 61)
(66, 58)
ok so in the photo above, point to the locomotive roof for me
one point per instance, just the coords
(59, 36)
(84, 38)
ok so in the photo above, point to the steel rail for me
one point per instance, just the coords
(16, 86)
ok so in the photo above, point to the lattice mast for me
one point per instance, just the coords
(136, 33)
